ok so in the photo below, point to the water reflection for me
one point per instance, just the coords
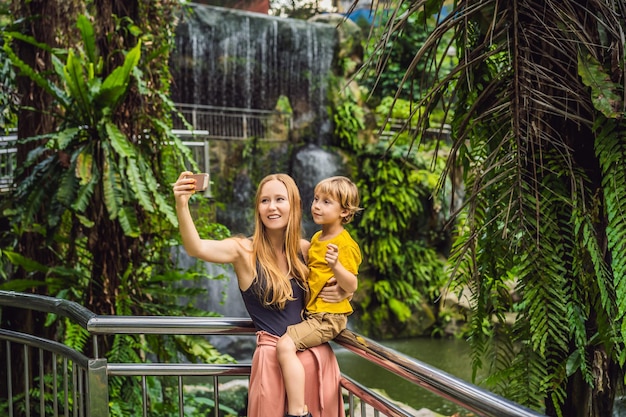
(449, 355)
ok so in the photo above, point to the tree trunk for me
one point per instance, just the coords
(585, 401)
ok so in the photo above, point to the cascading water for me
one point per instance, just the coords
(230, 58)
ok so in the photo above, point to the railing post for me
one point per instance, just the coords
(97, 388)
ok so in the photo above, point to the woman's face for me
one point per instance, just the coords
(274, 205)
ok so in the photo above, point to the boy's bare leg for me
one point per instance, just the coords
(293, 375)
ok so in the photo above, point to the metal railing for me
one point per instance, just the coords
(8, 151)
(228, 123)
(84, 381)
(392, 127)
(199, 144)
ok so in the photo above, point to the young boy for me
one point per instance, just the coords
(333, 253)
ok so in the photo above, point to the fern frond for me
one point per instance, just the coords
(83, 197)
(76, 337)
(119, 141)
(111, 185)
(26, 69)
(153, 186)
(198, 350)
(129, 222)
(610, 147)
(166, 209)
(74, 79)
(124, 349)
(181, 152)
(136, 171)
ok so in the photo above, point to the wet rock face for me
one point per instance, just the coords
(310, 165)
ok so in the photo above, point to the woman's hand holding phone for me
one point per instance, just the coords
(202, 181)
(188, 183)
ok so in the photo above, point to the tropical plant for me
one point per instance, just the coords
(399, 230)
(398, 52)
(89, 161)
(405, 272)
(92, 191)
(538, 131)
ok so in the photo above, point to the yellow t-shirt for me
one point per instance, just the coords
(320, 272)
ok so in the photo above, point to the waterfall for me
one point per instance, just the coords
(232, 58)
(311, 164)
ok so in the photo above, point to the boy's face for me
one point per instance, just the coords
(326, 210)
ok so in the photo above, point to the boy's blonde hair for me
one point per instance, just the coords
(344, 191)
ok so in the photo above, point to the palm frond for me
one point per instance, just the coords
(611, 149)
(531, 79)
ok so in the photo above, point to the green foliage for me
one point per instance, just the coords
(542, 213)
(395, 230)
(535, 215)
(349, 117)
(100, 155)
(610, 149)
(94, 193)
(397, 51)
(8, 94)
(197, 399)
(395, 236)
(88, 160)
(604, 92)
(300, 9)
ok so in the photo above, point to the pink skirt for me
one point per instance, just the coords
(266, 394)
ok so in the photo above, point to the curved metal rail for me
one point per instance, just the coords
(462, 393)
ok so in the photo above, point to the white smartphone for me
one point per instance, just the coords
(202, 181)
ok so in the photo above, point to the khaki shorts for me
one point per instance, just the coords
(316, 328)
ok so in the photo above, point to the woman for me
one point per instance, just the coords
(271, 272)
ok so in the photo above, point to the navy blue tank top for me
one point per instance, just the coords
(270, 318)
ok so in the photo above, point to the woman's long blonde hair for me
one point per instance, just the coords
(277, 290)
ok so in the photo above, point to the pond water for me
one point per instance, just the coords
(449, 355)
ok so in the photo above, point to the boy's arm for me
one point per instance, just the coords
(346, 279)
(333, 293)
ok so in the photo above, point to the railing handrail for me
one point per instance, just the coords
(454, 389)
(225, 110)
(59, 306)
(169, 325)
(49, 345)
